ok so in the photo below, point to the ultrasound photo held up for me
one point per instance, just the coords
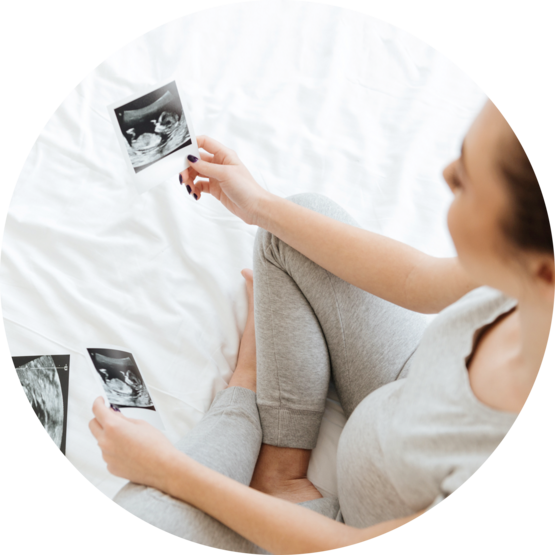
(153, 126)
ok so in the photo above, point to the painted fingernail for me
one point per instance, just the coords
(180, 179)
(188, 189)
(195, 195)
(113, 407)
(192, 158)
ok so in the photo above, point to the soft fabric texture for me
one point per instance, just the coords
(228, 440)
(310, 326)
(411, 443)
(416, 431)
(313, 98)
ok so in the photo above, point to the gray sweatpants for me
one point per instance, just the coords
(310, 326)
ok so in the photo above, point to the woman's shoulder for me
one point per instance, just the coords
(458, 322)
(482, 293)
(480, 301)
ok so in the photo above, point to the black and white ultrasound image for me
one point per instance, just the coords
(123, 384)
(45, 380)
(153, 126)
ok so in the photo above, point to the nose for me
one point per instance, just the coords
(448, 175)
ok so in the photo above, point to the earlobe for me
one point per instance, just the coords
(545, 275)
(546, 272)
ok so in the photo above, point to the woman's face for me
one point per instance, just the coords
(480, 204)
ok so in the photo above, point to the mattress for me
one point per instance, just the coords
(312, 98)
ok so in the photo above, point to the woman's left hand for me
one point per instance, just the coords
(132, 449)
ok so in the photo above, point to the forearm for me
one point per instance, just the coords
(271, 523)
(382, 266)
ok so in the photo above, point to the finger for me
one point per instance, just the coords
(127, 419)
(99, 406)
(211, 145)
(208, 169)
(101, 411)
(209, 186)
(206, 156)
(117, 413)
(188, 175)
(96, 429)
(191, 172)
(201, 186)
(190, 180)
(196, 188)
(185, 175)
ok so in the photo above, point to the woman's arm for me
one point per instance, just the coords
(138, 452)
(274, 524)
(384, 267)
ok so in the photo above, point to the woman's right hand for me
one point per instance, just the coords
(226, 178)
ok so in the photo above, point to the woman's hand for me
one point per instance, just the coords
(227, 179)
(132, 449)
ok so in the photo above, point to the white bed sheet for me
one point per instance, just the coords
(313, 98)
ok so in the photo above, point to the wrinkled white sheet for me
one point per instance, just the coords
(313, 98)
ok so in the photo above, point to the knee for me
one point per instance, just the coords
(323, 205)
(313, 201)
(262, 240)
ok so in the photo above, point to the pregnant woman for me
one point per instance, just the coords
(426, 406)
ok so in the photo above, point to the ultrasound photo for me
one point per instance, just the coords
(123, 384)
(45, 380)
(153, 126)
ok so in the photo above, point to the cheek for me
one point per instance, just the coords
(453, 223)
(463, 232)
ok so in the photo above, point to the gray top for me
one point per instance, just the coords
(412, 442)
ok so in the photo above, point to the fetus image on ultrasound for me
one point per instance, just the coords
(153, 126)
(122, 381)
(45, 380)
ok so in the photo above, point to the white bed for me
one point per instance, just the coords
(313, 98)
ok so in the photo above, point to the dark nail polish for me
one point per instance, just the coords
(188, 189)
(180, 179)
(113, 407)
(192, 158)
(195, 195)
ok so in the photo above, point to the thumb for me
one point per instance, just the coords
(216, 171)
(101, 411)
(118, 413)
(104, 413)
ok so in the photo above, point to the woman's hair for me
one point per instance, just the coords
(527, 227)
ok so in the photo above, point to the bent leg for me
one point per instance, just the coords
(309, 325)
(227, 440)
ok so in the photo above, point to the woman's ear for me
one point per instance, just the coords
(544, 276)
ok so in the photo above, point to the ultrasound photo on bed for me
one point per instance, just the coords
(153, 126)
(123, 384)
(45, 380)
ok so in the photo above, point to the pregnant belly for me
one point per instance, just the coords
(367, 495)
